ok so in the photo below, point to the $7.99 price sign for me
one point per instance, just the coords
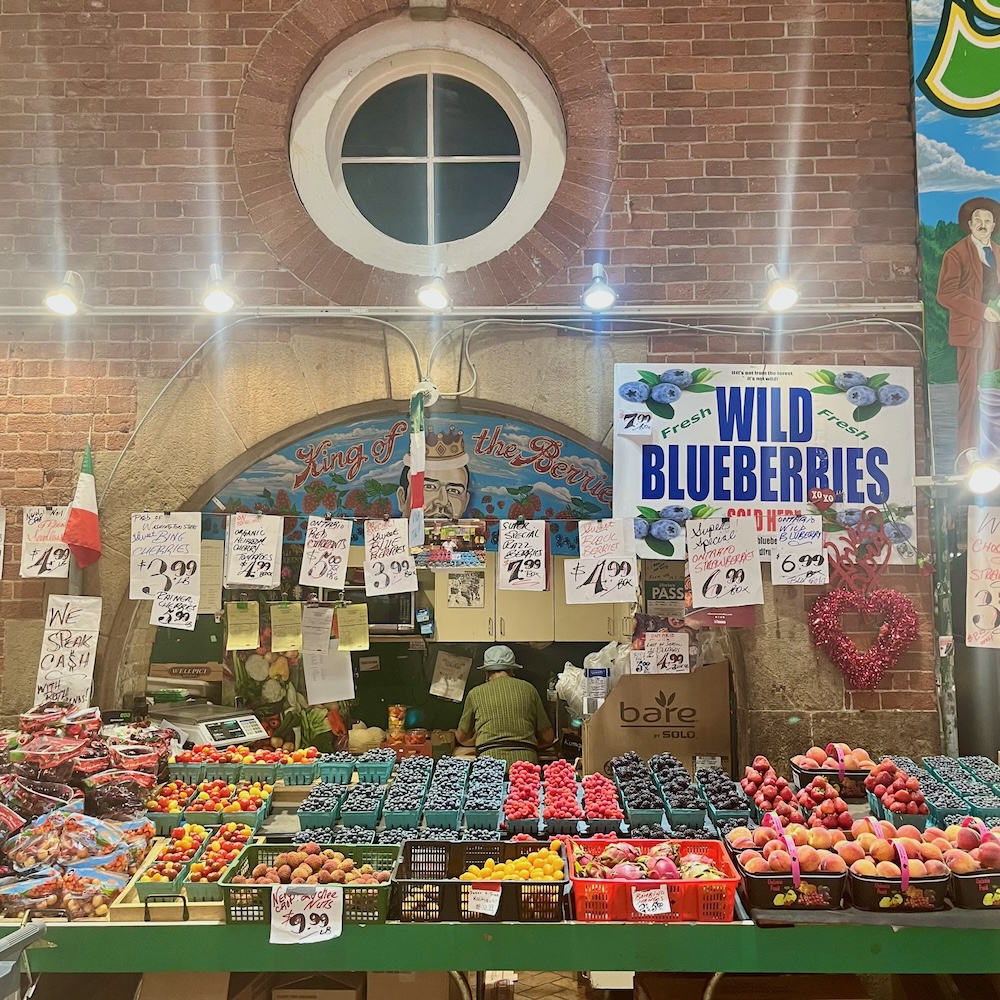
(600, 581)
(306, 914)
(521, 562)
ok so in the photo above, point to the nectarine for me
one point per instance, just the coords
(762, 834)
(850, 851)
(780, 861)
(832, 864)
(960, 862)
(930, 852)
(909, 832)
(887, 869)
(757, 865)
(967, 838)
(808, 859)
(917, 868)
(864, 867)
(989, 855)
(882, 850)
(747, 855)
(816, 754)
(936, 868)
(737, 832)
(820, 838)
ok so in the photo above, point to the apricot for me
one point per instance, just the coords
(820, 839)
(882, 850)
(864, 867)
(780, 861)
(960, 862)
(887, 869)
(756, 865)
(849, 851)
(833, 864)
(808, 859)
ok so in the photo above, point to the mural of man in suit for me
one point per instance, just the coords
(969, 281)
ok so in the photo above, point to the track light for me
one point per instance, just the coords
(781, 295)
(983, 477)
(218, 299)
(599, 295)
(67, 299)
(434, 294)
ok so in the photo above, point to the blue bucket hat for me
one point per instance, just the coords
(499, 658)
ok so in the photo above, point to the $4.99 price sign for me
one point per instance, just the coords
(667, 653)
(600, 581)
(306, 914)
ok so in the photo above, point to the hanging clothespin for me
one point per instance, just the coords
(520, 520)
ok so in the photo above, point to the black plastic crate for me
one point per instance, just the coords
(425, 886)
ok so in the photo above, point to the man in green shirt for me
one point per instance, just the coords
(505, 716)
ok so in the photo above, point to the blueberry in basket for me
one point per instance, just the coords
(407, 789)
(322, 798)
(363, 798)
(338, 757)
(377, 755)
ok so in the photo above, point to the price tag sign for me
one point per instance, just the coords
(668, 652)
(389, 566)
(483, 899)
(521, 556)
(44, 555)
(165, 555)
(600, 581)
(724, 560)
(253, 550)
(306, 914)
(172, 610)
(324, 556)
(797, 558)
(633, 423)
(650, 902)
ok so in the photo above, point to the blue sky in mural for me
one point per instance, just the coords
(957, 158)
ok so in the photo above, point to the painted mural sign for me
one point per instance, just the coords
(956, 49)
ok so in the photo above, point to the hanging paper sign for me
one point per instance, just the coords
(724, 562)
(44, 555)
(603, 539)
(798, 557)
(306, 914)
(600, 581)
(69, 648)
(630, 422)
(352, 627)
(651, 902)
(165, 555)
(668, 653)
(173, 610)
(286, 626)
(3, 533)
(242, 625)
(521, 556)
(317, 623)
(451, 672)
(483, 899)
(325, 553)
(329, 676)
(210, 586)
(389, 566)
(982, 602)
(253, 550)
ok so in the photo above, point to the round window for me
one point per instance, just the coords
(416, 144)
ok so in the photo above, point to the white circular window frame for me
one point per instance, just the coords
(389, 51)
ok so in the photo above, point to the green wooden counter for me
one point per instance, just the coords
(118, 947)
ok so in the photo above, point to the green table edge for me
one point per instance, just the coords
(201, 947)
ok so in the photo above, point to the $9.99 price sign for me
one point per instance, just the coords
(600, 581)
(306, 914)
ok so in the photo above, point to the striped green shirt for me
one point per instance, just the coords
(505, 709)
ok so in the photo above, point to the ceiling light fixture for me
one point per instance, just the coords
(983, 477)
(434, 295)
(67, 299)
(782, 294)
(599, 295)
(218, 298)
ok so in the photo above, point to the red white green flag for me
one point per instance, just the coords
(83, 532)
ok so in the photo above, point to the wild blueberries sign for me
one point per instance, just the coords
(752, 441)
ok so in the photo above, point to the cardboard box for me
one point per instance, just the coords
(322, 986)
(684, 986)
(688, 715)
(411, 986)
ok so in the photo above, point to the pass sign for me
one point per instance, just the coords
(306, 914)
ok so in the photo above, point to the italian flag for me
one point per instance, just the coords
(83, 532)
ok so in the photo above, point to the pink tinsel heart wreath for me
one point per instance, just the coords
(863, 669)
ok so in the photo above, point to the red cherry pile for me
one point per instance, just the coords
(560, 792)
(522, 797)
(827, 808)
(896, 790)
(770, 792)
(600, 798)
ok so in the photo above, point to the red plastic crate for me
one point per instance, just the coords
(603, 900)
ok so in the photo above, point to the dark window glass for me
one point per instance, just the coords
(468, 122)
(392, 122)
(392, 197)
(469, 196)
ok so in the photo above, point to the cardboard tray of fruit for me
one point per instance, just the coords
(249, 902)
(426, 886)
(847, 768)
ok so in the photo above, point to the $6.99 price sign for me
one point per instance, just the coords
(306, 914)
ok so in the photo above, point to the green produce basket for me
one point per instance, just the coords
(482, 819)
(693, 818)
(251, 819)
(316, 820)
(402, 819)
(146, 889)
(875, 806)
(603, 826)
(223, 772)
(203, 892)
(260, 772)
(644, 817)
(165, 822)
(374, 772)
(446, 819)
(336, 772)
(980, 811)
(368, 818)
(191, 773)
(363, 904)
(298, 774)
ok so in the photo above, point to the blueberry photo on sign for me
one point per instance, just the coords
(659, 392)
(659, 528)
(868, 394)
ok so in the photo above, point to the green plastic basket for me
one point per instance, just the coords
(368, 818)
(298, 774)
(693, 818)
(374, 772)
(316, 820)
(336, 772)
(482, 819)
(223, 772)
(875, 805)
(446, 819)
(402, 819)
(165, 822)
(260, 772)
(251, 819)
(363, 904)
(145, 889)
(203, 892)
(191, 773)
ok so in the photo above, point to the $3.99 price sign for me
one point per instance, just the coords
(306, 914)
(600, 581)
(171, 610)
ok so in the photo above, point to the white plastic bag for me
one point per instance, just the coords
(571, 686)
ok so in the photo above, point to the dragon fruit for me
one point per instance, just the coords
(615, 854)
(664, 850)
(662, 868)
(626, 871)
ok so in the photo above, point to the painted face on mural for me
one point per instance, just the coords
(981, 225)
(446, 477)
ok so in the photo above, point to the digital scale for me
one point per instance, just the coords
(200, 723)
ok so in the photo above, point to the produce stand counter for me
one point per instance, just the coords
(100, 946)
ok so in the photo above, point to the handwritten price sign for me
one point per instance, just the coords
(637, 423)
(651, 902)
(324, 556)
(668, 653)
(306, 914)
(600, 581)
(389, 567)
(798, 558)
(171, 610)
(521, 556)
(253, 550)
(982, 614)
(44, 555)
(724, 561)
(483, 899)
(165, 555)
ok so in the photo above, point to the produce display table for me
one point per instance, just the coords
(737, 947)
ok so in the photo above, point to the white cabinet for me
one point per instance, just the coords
(525, 616)
(463, 624)
(582, 622)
